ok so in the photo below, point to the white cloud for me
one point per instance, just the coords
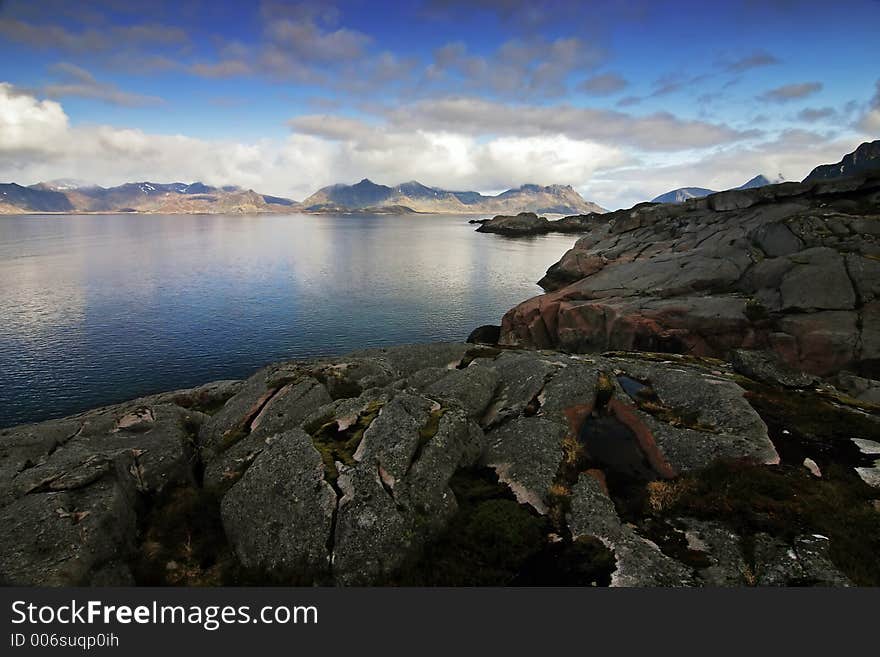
(660, 131)
(74, 80)
(37, 143)
(870, 121)
(28, 124)
(793, 154)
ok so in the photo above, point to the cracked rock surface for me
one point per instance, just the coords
(793, 269)
(353, 470)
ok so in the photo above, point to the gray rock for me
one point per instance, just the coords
(64, 538)
(525, 223)
(722, 548)
(286, 408)
(777, 240)
(818, 281)
(732, 200)
(863, 389)
(279, 516)
(803, 563)
(754, 269)
(472, 388)
(525, 453)
(865, 274)
(339, 470)
(639, 561)
(397, 496)
(870, 474)
(765, 366)
(710, 419)
(522, 379)
(405, 360)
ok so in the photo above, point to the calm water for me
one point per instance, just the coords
(100, 309)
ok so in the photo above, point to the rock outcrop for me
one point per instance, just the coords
(528, 223)
(793, 269)
(865, 159)
(446, 463)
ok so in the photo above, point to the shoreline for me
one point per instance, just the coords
(441, 445)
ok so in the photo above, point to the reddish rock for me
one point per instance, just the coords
(782, 268)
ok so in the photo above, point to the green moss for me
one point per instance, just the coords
(823, 415)
(487, 542)
(845, 400)
(786, 501)
(665, 357)
(431, 427)
(676, 417)
(335, 445)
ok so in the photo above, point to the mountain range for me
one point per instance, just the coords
(172, 198)
(366, 196)
(682, 194)
(71, 196)
(552, 199)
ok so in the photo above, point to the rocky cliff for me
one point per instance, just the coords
(865, 159)
(791, 268)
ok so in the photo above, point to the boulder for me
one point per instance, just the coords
(279, 515)
(487, 334)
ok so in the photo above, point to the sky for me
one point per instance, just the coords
(621, 100)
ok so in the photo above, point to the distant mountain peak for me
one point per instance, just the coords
(682, 194)
(762, 181)
(529, 197)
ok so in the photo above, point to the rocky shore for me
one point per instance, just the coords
(694, 401)
(454, 464)
(791, 268)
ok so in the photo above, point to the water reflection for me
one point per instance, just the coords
(97, 309)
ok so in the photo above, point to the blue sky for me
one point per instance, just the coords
(622, 100)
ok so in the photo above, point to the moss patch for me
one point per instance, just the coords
(811, 424)
(487, 542)
(785, 501)
(663, 357)
(335, 444)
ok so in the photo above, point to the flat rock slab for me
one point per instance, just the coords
(278, 517)
(639, 561)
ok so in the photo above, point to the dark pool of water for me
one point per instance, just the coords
(99, 309)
